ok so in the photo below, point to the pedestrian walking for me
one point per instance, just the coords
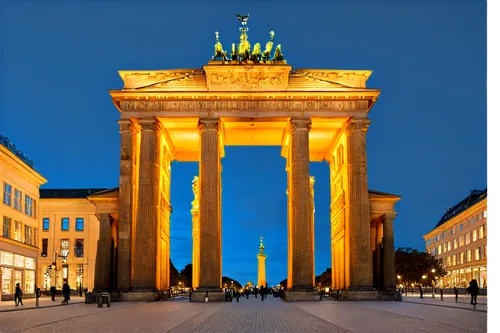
(53, 291)
(262, 293)
(455, 289)
(473, 291)
(18, 295)
(66, 293)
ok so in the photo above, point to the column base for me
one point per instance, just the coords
(137, 295)
(213, 295)
(368, 295)
(301, 295)
(91, 297)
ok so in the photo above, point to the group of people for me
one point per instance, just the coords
(263, 291)
(66, 291)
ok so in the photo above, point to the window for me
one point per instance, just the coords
(65, 224)
(28, 205)
(481, 232)
(461, 241)
(479, 217)
(79, 223)
(462, 255)
(79, 248)
(439, 249)
(448, 261)
(442, 235)
(444, 248)
(433, 252)
(467, 238)
(64, 247)
(474, 235)
(454, 259)
(28, 236)
(484, 214)
(473, 219)
(469, 255)
(18, 200)
(7, 194)
(449, 245)
(65, 272)
(46, 223)
(18, 231)
(6, 226)
(461, 226)
(45, 246)
(455, 243)
(477, 254)
(429, 241)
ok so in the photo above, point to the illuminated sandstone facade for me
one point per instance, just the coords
(459, 240)
(191, 115)
(69, 232)
(19, 213)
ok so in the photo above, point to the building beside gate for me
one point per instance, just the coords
(69, 231)
(19, 212)
(459, 240)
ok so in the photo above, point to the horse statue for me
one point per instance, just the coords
(278, 55)
(218, 50)
(244, 47)
(256, 52)
(266, 55)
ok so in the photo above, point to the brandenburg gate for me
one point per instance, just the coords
(246, 98)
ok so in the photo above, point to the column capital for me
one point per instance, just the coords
(357, 125)
(103, 216)
(209, 124)
(389, 217)
(149, 124)
(297, 123)
(125, 125)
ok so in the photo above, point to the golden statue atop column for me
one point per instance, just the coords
(261, 259)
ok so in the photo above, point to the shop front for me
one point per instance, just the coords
(17, 268)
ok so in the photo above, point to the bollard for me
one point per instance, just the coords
(433, 293)
(37, 295)
(206, 297)
(442, 298)
(99, 301)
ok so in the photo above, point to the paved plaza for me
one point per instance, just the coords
(252, 315)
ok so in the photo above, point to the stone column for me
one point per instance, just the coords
(125, 206)
(389, 257)
(312, 224)
(145, 247)
(300, 215)
(102, 275)
(210, 205)
(360, 258)
(196, 233)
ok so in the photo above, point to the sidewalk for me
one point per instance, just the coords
(45, 302)
(449, 301)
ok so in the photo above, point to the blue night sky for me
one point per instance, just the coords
(427, 140)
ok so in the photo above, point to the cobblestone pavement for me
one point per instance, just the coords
(30, 303)
(247, 316)
(387, 317)
(449, 301)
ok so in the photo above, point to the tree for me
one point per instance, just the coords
(187, 275)
(174, 275)
(412, 265)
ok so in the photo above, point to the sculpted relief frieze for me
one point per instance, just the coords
(186, 106)
(353, 80)
(143, 79)
(247, 80)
